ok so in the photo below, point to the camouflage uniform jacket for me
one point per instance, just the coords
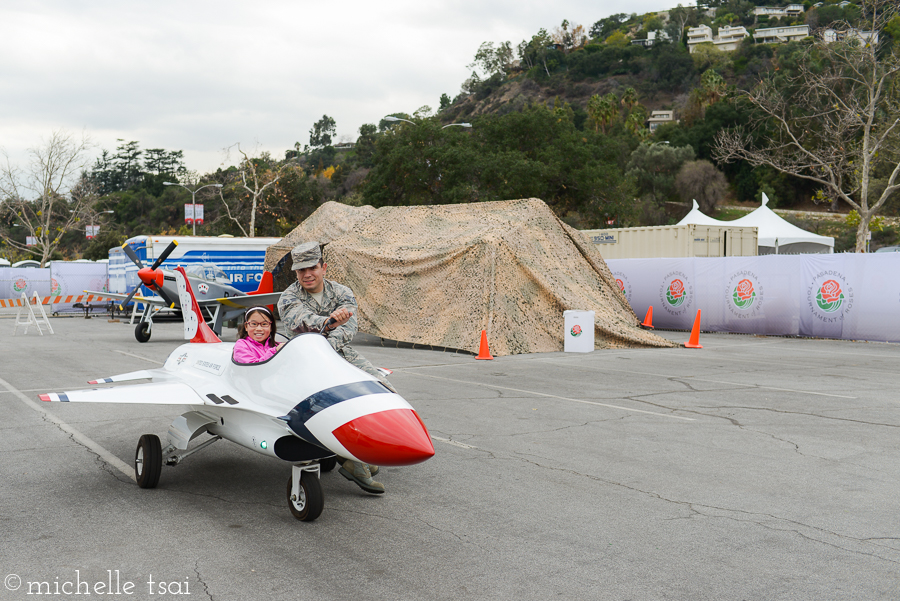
(301, 313)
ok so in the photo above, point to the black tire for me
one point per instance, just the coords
(312, 499)
(148, 461)
(142, 332)
(327, 464)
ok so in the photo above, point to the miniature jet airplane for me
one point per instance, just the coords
(216, 294)
(305, 405)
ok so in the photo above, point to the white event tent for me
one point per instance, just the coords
(775, 235)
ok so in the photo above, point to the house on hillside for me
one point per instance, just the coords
(729, 37)
(652, 37)
(839, 35)
(658, 118)
(698, 35)
(781, 35)
(791, 10)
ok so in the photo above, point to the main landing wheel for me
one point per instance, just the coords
(148, 461)
(142, 332)
(311, 500)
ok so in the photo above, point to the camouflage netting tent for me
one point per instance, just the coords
(330, 221)
(438, 275)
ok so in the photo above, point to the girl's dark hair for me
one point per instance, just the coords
(242, 333)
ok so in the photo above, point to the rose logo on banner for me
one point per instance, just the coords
(54, 287)
(675, 294)
(744, 295)
(830, 297)
(576, 330)
(20, 285)
(623, 283)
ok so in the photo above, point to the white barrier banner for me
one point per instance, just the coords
(849, 296)
(13, 282)
(72, 279)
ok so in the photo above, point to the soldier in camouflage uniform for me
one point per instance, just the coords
(306, 306)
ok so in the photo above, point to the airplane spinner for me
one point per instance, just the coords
(305, 405)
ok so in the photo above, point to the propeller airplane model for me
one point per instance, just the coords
(305, 405)
(217, 295)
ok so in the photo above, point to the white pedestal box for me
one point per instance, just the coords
(579, 332)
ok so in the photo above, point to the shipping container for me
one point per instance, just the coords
(674, 241)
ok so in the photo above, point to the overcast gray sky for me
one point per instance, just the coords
(200, 75)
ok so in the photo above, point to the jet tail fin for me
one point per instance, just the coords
(195, 328)
(266, 284)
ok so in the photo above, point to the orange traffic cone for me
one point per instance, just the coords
(648, 321)
(694, 341)
(483, 352)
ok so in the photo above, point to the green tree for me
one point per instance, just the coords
(654, 167)
(604, 28)
(701, 181)
(536, 152)
(617, 38)
(322, 131)
(493, 61)
(602, 111)
(365, 144)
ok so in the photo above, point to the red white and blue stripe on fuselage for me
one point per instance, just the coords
(367, 420)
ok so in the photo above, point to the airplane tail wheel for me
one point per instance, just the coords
(142, 332)
(148, 461)
(311, 500)
(327, 464)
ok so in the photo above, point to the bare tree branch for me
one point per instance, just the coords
(50, 197)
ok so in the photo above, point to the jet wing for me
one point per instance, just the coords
(132, 375)
(153, 300)
(250, 300)
(154, 393)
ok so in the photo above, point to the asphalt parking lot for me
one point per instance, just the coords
(755, 468)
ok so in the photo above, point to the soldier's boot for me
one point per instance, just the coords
(373, 469)
(359, 473)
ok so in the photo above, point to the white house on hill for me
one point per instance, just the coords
(781, 35)
(729, 37)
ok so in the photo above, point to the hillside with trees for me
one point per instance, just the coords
(609, 123)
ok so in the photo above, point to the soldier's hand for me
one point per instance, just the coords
(341, 316)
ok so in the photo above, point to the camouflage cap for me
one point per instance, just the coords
(306, 255)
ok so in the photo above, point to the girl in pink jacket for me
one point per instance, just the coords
(256, 338)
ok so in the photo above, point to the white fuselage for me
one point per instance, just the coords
(256, 404)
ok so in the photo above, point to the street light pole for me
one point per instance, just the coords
(391, 118)
(193, 200)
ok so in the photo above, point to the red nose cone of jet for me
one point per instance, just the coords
(393, 437)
